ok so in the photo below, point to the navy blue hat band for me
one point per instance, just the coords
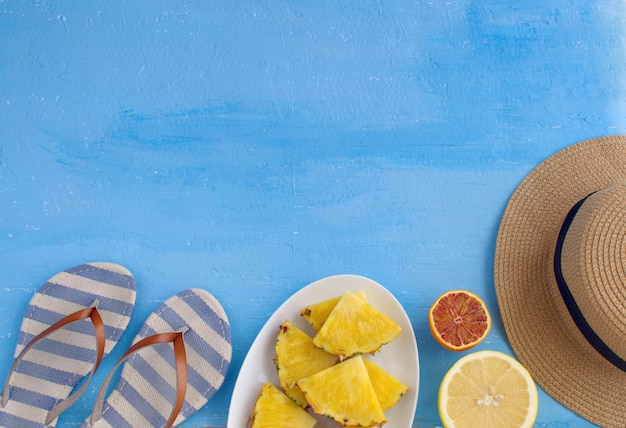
(575, 312)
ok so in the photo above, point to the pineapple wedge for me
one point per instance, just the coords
(317, 313)
(388, 389)
(273, 409)
(355, 327)
(297, 357)
(344, 393)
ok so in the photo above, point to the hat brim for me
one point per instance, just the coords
(537, 324)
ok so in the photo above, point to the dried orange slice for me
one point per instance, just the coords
(459, 320)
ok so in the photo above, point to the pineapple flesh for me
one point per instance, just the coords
(355, 327)
(273, 409)
(388, 389)
(297, 357)
(344, 393)
(317, 313)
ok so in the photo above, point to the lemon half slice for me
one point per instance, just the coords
(487, 389)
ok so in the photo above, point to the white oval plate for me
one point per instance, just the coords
(399, 358)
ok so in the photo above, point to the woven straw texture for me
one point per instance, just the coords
(537, 323)
(593, 263)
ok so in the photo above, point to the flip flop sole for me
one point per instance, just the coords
(146, 390)
(53, 367)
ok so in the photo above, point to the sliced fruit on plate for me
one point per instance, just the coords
(344, 393)
(297, 357)
(317, 313)
(273, 409)
(487, 389)
(388, 389)
(459, 320)
(355, 327)
(400, 356)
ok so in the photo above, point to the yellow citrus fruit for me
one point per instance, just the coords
(487, 389)
(459, 320)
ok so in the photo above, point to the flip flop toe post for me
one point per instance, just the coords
(70, 324)
(177, 362)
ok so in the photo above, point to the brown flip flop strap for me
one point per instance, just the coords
(180, 356)
(83, 314)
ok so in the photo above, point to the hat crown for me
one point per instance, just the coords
(593, 263)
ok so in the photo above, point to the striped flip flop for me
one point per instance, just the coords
(70, 324)
(178, 360)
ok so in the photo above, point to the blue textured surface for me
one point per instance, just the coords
(251, 148)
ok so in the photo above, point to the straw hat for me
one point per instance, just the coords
(560, 277)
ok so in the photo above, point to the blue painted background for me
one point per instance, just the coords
(251, 148)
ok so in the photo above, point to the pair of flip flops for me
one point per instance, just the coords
(177, 361)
